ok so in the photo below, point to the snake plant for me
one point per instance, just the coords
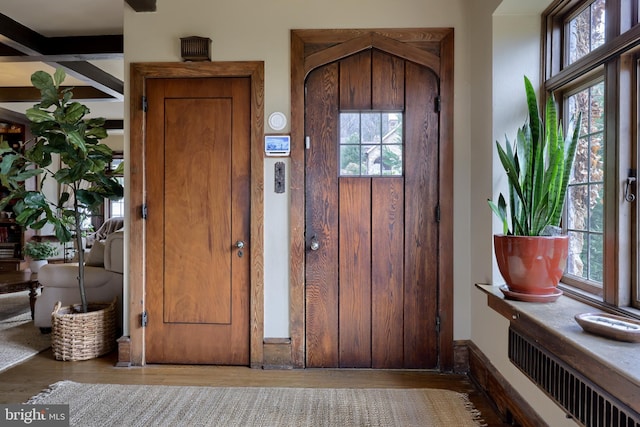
(538, 167)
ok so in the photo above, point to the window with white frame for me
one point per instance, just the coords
(592, 65)
(115, 208)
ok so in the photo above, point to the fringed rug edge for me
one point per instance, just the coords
(34, 400)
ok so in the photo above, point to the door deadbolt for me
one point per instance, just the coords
(315, 244)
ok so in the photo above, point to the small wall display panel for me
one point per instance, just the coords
(277, 145)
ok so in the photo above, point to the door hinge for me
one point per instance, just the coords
(437, 104)
(144, 212)
(307, 142)
(145, 106)
(144, 319)
(438, 213)
(438, 324)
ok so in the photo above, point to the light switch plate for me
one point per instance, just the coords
(279, 177)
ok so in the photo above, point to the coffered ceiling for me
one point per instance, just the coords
(82, 37)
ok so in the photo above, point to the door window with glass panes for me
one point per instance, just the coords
(371, 143)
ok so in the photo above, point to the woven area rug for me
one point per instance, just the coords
(19, 339)
(151, 405)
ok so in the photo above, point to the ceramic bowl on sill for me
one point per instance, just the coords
(610, 326)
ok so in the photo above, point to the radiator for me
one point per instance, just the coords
(584, 401)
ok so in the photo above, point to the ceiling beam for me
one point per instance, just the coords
(103, 44)
(22, 39)
(8, 51)
(94, 76)
(31, 94)
(59, 58)
(114, 124)
(13, 117)
(26, 41)
(142, 5)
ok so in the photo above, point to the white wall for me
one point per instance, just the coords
(115, 141)
(276, 252)
(257, 30)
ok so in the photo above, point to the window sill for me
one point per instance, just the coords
(612, 365)
(598, 305)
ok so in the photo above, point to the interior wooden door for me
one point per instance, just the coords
(372, 224)
(197, 249)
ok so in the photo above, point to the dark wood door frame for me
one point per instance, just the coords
(139, 72)
(310, 49)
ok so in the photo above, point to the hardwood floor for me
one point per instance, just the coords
(29, 378)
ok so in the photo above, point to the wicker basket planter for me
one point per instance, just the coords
(81, 336)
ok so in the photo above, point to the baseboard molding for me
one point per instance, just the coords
(277, 353)
(511, 406)
(461, 356)
(124, 352)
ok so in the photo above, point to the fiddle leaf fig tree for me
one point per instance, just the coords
(60, 128)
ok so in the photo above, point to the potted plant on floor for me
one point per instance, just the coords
(39, 252)
(532, 253)
(60, 128)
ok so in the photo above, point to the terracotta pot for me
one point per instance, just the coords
(531, 264)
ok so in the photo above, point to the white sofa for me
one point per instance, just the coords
(103, 280)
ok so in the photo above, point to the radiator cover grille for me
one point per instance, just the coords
(585, 402)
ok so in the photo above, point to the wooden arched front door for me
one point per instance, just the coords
(371, 213)
(374, 276)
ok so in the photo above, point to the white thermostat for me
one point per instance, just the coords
(277, 145)
(277, 121)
